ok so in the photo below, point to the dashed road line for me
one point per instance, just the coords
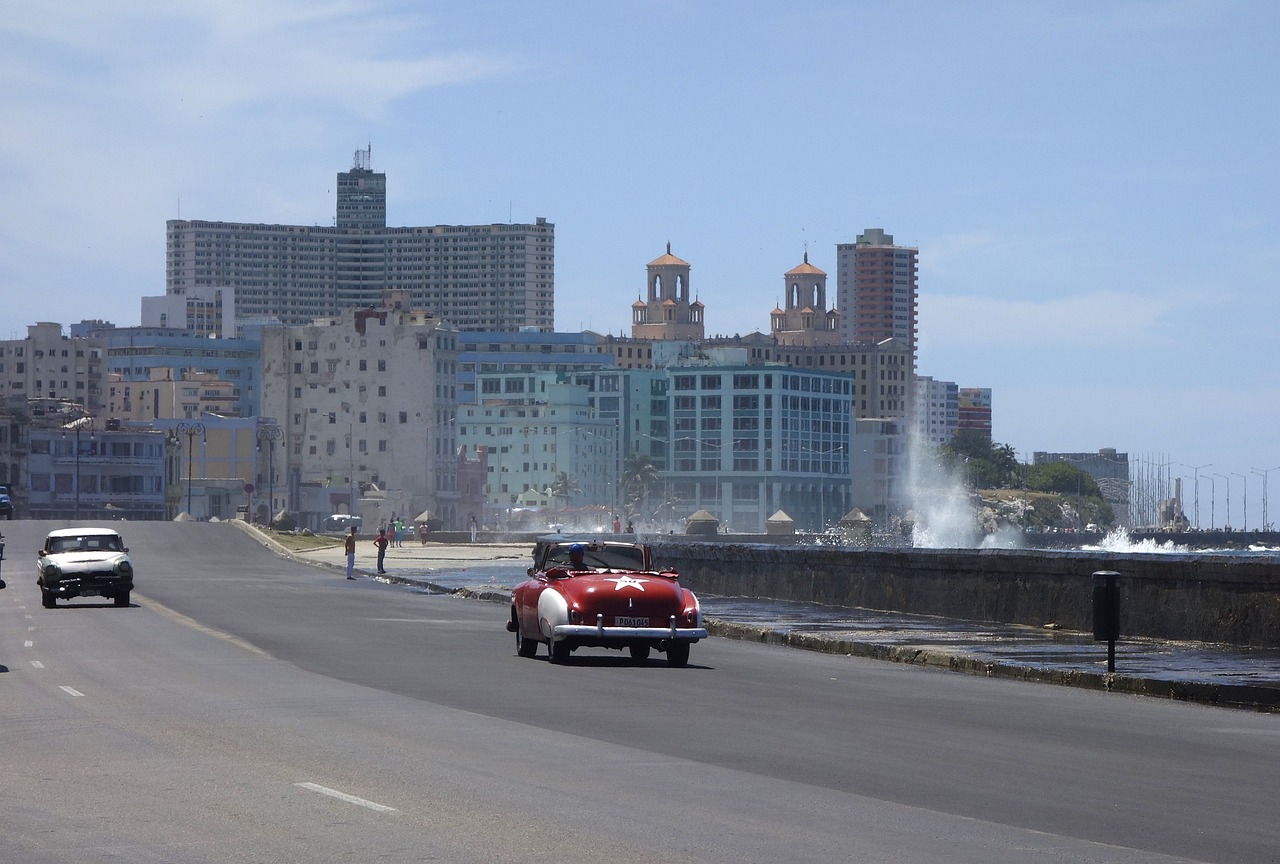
(70, 691)
(350, 799)
(37, 664)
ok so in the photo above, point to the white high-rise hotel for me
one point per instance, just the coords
(477, 277)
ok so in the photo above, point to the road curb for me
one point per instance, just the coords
(1225, 695)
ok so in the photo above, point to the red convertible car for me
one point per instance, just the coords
(602, 594)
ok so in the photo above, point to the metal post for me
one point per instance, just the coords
(190, 430)
(1106, 613)
(270, 434)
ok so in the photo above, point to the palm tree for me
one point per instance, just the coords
(564, 487)
(639, 477)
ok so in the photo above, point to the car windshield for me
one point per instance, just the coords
(603, 557)
(85, 543)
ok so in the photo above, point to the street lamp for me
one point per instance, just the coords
(191, 430)
(1244, 526)
(1226, 520)
(78, 424)
(271, 434)
(1264, 473)
(1197, 469)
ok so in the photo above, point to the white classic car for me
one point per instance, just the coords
(84, 562)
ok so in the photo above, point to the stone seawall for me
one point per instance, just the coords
(1203, 598)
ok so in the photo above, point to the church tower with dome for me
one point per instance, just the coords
(806, 322)
(666, 312)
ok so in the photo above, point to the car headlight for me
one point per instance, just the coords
(124, 568)
(51, 571)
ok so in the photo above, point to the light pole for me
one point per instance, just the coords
(1226, 520)
(1213, 501)
(1197, 469)
(78, 424)
(1264, 473)
(191, 430)
(1244, 498)
(271, 434)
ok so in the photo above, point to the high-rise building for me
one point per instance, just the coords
(476, 277)
(876, 290)
(362, 194)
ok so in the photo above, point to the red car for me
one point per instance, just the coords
(603, 594)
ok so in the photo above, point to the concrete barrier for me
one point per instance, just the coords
(1202, 598)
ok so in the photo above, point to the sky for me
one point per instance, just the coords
(1093, 186)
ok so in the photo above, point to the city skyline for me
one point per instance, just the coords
(1091, 188)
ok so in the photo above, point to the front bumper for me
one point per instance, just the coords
(600, 634)
(88, 586)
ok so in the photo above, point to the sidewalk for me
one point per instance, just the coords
(1196, 672)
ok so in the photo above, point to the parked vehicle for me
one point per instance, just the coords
(605, 594)
(84, 562)
(340, 523)
(6, 503)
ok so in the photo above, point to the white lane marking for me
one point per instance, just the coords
(27, 644)
(32, 627)
(37, 664)
(71, 691)
(350, 799)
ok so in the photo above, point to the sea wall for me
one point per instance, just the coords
(1204, 598)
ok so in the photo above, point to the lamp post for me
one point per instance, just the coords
(1244, 498)
(1226, 520)
(191, 430)
(77, 430)
(1264, 473)
(1197, 469)
(271, 434)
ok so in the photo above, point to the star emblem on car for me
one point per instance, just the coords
(627, 581)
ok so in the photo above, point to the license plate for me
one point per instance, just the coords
(631, 622)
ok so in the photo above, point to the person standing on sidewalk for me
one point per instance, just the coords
(350, 547)
(381, 542)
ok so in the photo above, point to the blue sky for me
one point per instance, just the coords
(1092, 185)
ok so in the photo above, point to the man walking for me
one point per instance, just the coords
(350, 547)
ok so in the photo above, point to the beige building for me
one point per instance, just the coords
(366, 401)
(49, 365)
(186, 396)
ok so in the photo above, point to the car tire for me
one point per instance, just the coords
(557, 652)
(639, 653)
(525, 647)
(122, 599)
(678, 654)
(47, 600)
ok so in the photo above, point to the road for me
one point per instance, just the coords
(250, 708)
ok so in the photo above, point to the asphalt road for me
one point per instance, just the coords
(250, 708)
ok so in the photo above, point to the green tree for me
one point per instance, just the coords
(564, 487)
(983, 463)
(639, 479)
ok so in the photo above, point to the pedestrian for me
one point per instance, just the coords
(631, 529)
(422, 533)
(398, 530)
(350, 547)
(381, 542)
(617, 525)
(474, 529)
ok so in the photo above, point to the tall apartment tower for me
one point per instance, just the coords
(362, 194)
(492, 278)
(876, 290)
